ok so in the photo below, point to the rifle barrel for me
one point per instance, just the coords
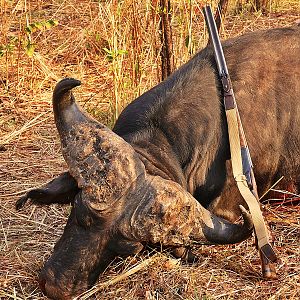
(213, 33)
(227, 88)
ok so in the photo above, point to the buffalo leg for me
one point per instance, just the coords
(62, 190)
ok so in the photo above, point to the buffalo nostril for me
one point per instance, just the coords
(50, 288)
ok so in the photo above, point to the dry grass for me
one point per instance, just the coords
(30, 154)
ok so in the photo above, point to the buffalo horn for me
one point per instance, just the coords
(102, 163)
(169, 215)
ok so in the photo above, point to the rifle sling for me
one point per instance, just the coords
(252, 202)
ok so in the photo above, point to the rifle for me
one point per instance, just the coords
(240, 155)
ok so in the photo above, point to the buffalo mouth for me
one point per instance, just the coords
(79, 256)
(65, 277)
(52, 290)
(62, 284)
(69, 273)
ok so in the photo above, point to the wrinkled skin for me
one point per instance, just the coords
(139, 184)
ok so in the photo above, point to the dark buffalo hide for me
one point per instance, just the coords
(137, 185)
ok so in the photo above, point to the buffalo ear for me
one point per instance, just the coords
(61, 190)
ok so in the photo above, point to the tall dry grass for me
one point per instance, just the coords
(113, 48)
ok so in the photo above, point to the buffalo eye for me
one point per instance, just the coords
(83, 215)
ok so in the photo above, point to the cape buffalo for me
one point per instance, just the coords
(160, 177)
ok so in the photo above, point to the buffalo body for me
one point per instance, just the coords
(136, 185)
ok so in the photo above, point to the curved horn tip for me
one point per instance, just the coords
(247, 218)
(66, 84)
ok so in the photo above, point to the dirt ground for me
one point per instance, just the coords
(30, 156)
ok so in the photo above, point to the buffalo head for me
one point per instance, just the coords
(119, 207)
